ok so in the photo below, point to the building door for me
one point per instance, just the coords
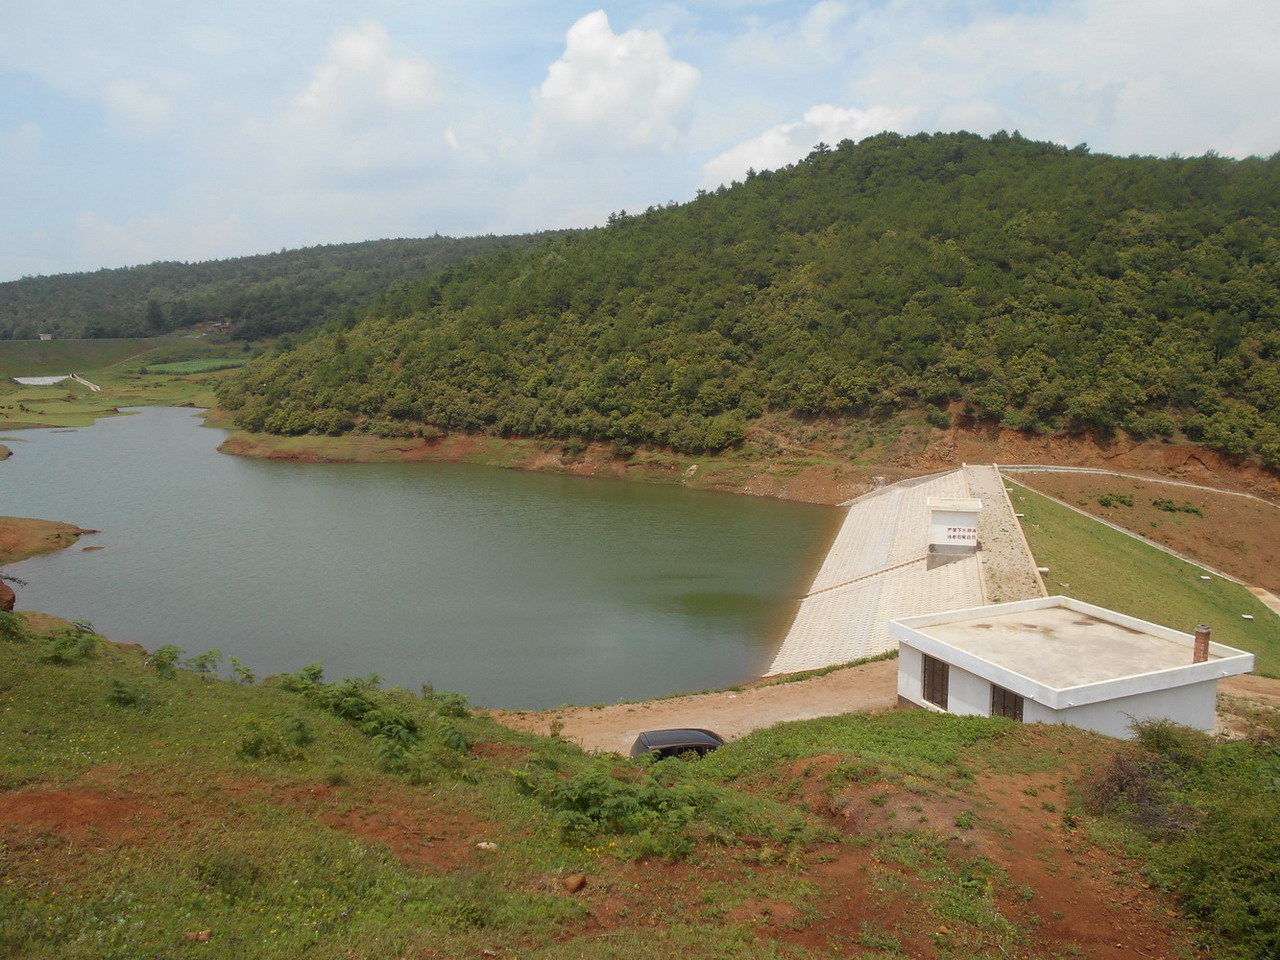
(1005, 703)
(936, 675)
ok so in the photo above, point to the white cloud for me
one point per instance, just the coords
(789, 142)
(368, 112)
(361, 73)
(820, 22)
(614, 91)
(98, 241)
(1145, 76)
(133, 106)
(819, 35)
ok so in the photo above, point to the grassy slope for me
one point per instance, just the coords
(1092, 562)
(113, 365)
(37, 358)
(123, 830)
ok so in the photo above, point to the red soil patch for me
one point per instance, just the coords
(78, 814)
(1082, 895)
(972, 443)
(505, 753)
(1234, 534)
(419, 834)
(21, 537)
(1072, 895)
(437, 840)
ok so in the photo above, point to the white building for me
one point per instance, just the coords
(953, 524)
(1058, 660)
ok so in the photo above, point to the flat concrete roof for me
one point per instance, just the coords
(1059, 647)
(1062, 646)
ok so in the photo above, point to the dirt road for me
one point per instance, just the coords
(871, 687)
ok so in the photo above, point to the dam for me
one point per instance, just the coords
(880, 566)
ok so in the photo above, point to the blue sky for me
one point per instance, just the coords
(144, 130)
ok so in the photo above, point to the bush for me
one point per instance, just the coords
(165, 660)
(393, 729)
(130, 695)
(447, 703)
(1227, 873)
(1115, 499)
(938, 417)
(1212, 811)
(658, 816)
(284, 740)
(1168, 506)
(231, 874)
(205, 663)
(68, 646)
(1183, 746)
(13, 627)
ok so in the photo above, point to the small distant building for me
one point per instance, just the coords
(1059, 660)
(45, 336)
(953, 525)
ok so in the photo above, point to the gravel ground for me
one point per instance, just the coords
(870, 687)
(1008, 570)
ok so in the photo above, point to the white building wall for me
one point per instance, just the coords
(1191, 706)
(968, 694)
(910, 674)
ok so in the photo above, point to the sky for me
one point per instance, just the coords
(143, 130)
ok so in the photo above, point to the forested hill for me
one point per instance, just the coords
(1047, 288)
(260, 295)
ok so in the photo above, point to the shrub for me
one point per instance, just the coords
(448, 703)
(1137, 787)
(1168, 506)
(13, 627)
(938, 418)
(130, 695)
(1183, 746)
(68, 646)
(233, 875)
(165, 660)
(659, 816)
(205, 663)
(1213, 812)
(393, 729)
(1227, 872)
(426, 763)
(1115, 499)
(284, 740)
(305, 680)
(242, 673)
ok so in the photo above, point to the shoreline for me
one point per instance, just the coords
(22, 538)
(826, 484)
(828, 463)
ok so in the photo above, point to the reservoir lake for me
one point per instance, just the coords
(518, 590)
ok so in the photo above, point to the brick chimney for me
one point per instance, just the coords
(1201, 653)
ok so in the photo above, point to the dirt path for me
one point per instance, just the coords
(870, 687)
(1246, 705)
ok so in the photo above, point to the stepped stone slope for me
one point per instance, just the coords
(879, 568)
